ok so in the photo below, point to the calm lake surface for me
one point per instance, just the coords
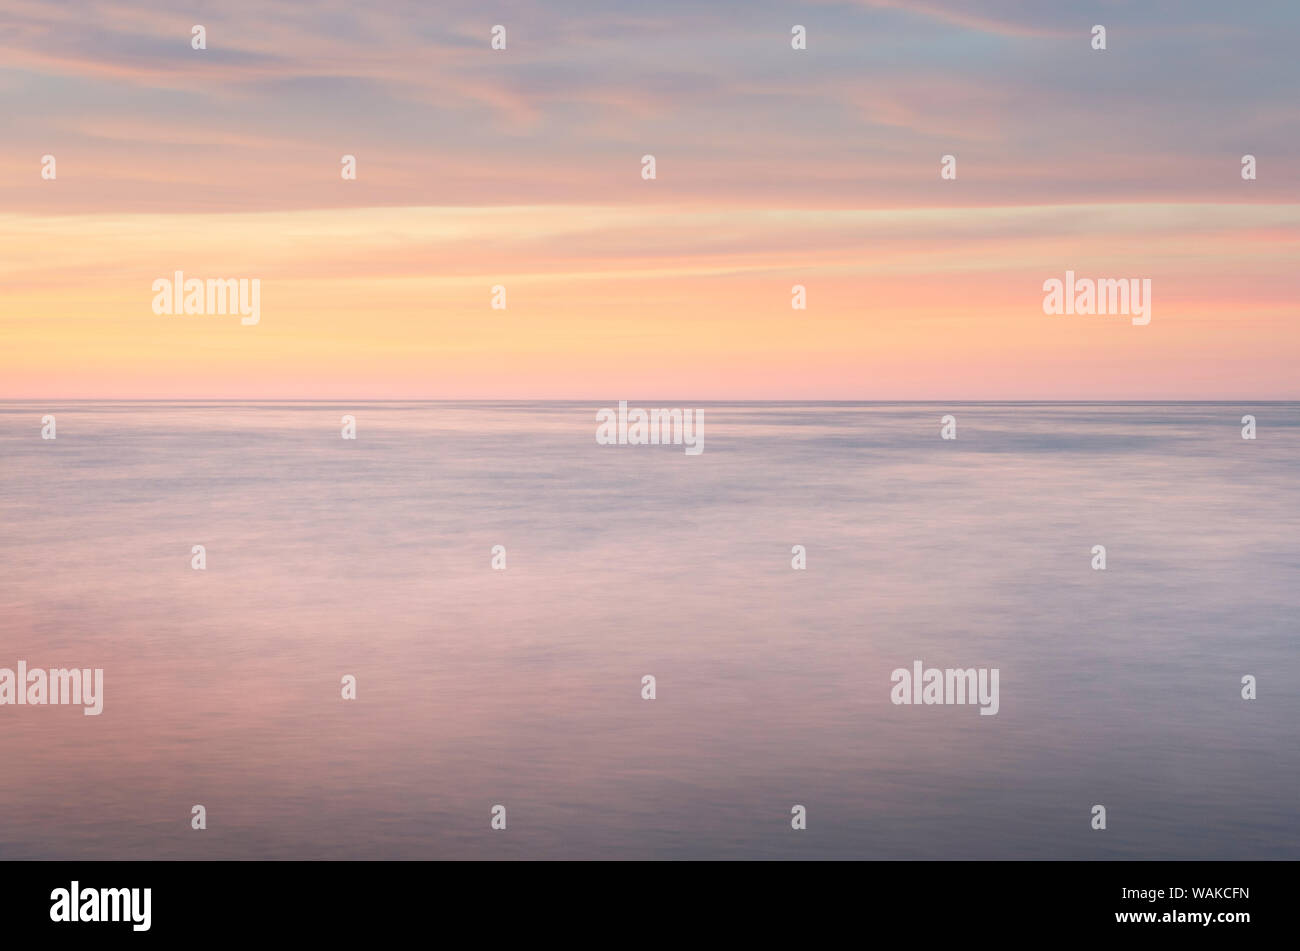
(522, 687)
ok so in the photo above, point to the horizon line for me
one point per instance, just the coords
(345, 400)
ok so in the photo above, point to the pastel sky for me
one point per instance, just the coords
(775, 167)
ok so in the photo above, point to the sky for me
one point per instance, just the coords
(522, 168)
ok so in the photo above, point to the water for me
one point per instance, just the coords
(521, 687)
